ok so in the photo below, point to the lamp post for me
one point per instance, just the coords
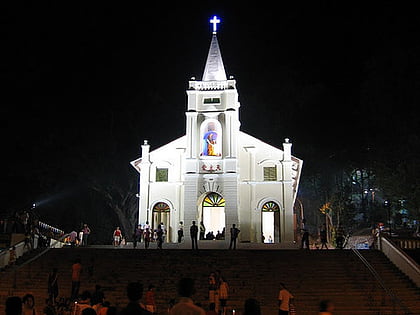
(387, 206)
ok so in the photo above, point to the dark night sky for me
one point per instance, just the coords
(86, 81)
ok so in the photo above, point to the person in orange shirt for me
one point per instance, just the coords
(76, 270)
(150, 299)
(285, 297)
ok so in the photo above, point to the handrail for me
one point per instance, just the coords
(399, 258)
(395, 300)
(20, 250)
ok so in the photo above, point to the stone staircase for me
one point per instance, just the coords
(310, 275)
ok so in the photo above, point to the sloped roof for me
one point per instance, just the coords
(214, 70)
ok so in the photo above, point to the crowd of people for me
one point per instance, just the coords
(94, 302)
(144, 233)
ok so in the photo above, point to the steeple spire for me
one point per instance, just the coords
(214, 70)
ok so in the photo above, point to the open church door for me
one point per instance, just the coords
(213, 215)
(161, 214)
(270, 222)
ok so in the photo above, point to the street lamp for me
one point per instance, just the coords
(387, 206)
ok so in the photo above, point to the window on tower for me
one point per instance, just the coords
(270, 173)
(161, 174)
(212, 100)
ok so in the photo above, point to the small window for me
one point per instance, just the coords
(270, 173)
(212, 100)
(161, 174)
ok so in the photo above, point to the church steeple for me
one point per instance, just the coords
(214, 70)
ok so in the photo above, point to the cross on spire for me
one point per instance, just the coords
(215, 21)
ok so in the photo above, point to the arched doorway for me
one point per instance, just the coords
(161, 214)
(213, 213)
(270, 222)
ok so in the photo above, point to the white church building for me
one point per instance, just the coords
(216, 174)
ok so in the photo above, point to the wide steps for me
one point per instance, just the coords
(309, 275)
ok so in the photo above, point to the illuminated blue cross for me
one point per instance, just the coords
(215, 21)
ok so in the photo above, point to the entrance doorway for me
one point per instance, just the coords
(161, 214)
(213, 214)
(270, 222)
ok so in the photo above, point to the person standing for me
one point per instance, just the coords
(202, 230)
(146, 236)
(285, 297)
(28, 302)
(212, 289)
(323, 237)
(163, 227)
(150, 299)
(159, 234)
(234, 232)
(186, 305)
(180, 232)
(53, 286)
(137, 235)
(305, 240)
(223, 294)
(76, 270)
(117, 236)
(194, 234)
(73, 238)
(86, 233)
(134, 294)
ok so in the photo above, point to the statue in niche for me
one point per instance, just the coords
(210, 141)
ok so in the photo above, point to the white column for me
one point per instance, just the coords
(144, 183)
(287, 226)
(190, 204)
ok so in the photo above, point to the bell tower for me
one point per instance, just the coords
(212, 126)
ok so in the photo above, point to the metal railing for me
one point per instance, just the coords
(396, 302)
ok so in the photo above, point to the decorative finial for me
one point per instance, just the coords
(215, 21)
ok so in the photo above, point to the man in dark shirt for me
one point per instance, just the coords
(234, 232)
(194, 233)
(134, 294)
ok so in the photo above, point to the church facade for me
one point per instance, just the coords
(216, 174)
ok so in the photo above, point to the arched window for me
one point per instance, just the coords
(213, 200)
(161, 207)
(270, 206)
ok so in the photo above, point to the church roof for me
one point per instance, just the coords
(214, 70)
